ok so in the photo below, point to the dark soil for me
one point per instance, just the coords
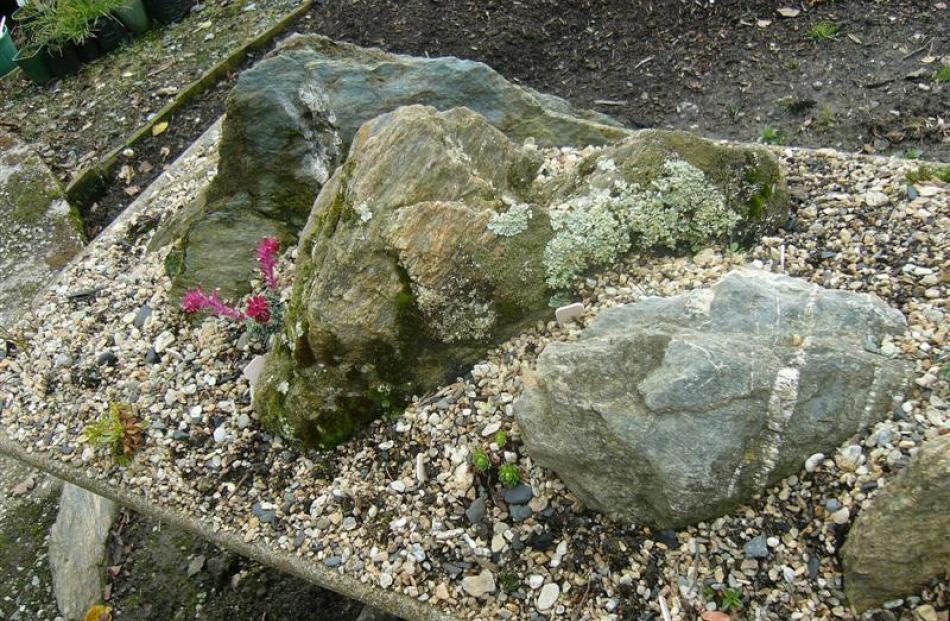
(729, 68)
(152, 581)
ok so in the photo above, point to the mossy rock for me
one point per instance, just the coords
(278, 147)
(435, 240)
(39, 230)
(749, 176)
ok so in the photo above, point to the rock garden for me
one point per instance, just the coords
(422, 335)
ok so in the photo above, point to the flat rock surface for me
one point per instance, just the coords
(39, 231)
(363, 523)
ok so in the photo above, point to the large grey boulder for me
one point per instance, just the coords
(675, 410)
(278, 147)
(437, 239)
(901, 541)
(280, 142)
(39, 231)
(77, 549)
(362, 83)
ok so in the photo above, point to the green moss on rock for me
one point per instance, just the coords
(425, 249)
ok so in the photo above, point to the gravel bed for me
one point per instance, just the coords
(395, 507)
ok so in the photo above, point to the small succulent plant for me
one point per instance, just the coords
(262, 314)
(509, 475)
(501, 438)
(119, 430)
(480, 460)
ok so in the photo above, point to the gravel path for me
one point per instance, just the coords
(389, 508)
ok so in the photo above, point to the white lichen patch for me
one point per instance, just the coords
(511, 222)
(364, 212)
(679, 208)
(455, 316)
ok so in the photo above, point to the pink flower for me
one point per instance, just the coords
(258, 309)
(195, 300)
(267, 251)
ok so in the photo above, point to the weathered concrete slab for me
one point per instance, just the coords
(39, 231)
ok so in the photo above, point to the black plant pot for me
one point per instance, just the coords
(88, 50)
(168, 11)
(110, 34)
(63, 62)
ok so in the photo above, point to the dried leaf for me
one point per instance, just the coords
(763, 23)
(132, 190)
(159, 128)
(165, 152)
(145, 166)
(98, 612)
(715, 615)
(788, 12)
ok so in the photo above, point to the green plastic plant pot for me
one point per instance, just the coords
(7, 52)
(133, 15)
(34, 65)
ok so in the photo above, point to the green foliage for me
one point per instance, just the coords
(501, 438)
(913, 153)
(117, 430)
(731, 599)
(770, 135)
(826, 116)
(942, 74)
(509, 475)
(480, 460)
(824, 31)
(509, 582)
(62, 22)
(926, 173)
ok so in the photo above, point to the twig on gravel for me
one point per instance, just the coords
(643, 62)
(610, 102)
(913, 53)
(582, 601)
(160, 69)
(875, 84)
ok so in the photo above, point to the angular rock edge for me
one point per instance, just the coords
(671, 411)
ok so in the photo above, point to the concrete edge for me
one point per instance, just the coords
(309, 570)
(86, 185)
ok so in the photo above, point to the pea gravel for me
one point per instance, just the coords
(401, 507)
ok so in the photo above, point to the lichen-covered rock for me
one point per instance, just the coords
(278, 147)
(675, 410)
(900, 542)
(659, 189)
(39, 231)
(438, 238)
(399, 281)
(282, 139)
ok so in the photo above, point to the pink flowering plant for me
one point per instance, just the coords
(260, 313)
